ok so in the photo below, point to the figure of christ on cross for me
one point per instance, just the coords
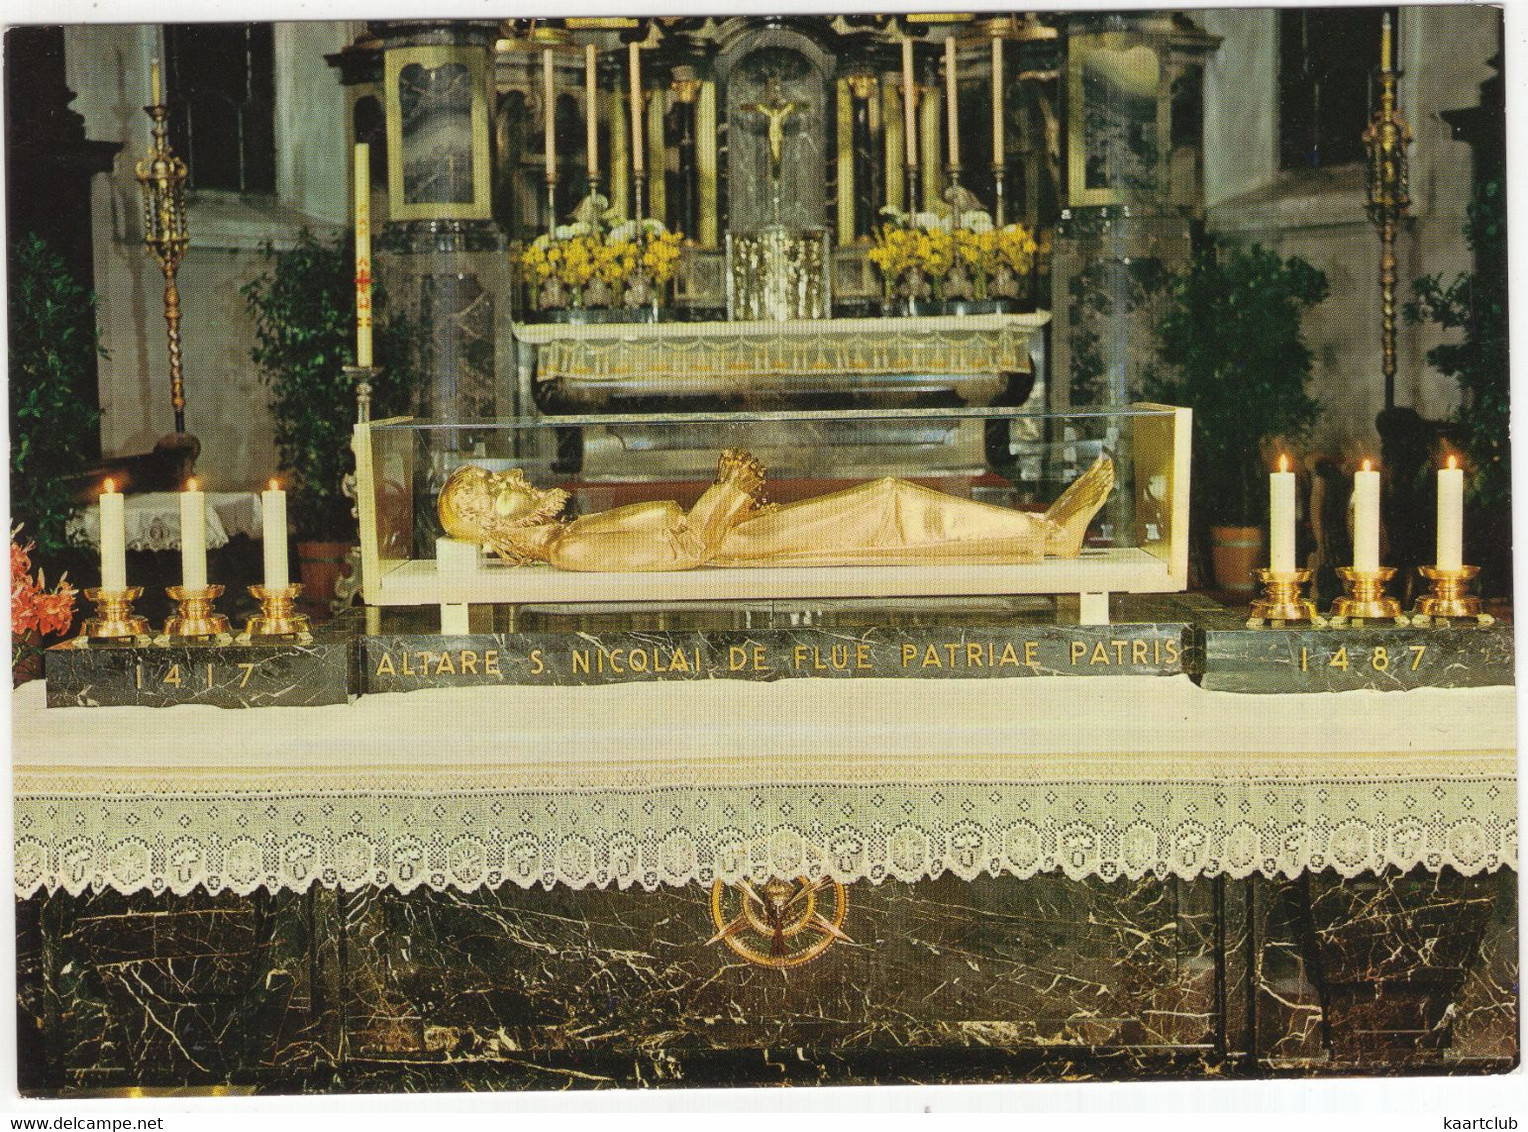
(776, 110)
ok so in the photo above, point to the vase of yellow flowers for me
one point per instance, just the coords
(589, 271)
(941, 263)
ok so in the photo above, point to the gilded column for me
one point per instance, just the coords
(657, 153)
(845, 154)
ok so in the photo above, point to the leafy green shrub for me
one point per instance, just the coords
(1230, 349)
(1476, 302)
(304, 311)
(53, 344)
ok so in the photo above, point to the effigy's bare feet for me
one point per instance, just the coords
(741, 470)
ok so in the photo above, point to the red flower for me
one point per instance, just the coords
(34, 609)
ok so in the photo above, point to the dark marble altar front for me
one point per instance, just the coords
(1386, 659)
(943, 981)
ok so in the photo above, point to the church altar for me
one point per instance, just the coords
(482, 787)
(547, 865)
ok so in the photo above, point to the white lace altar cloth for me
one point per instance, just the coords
(671, 784)
(152, 520)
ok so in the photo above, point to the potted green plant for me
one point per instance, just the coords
(1230, 348)
(52, 348)
(303, 306)
(1476, 302)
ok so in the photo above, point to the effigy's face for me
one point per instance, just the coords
(478, 505)
(514, 499)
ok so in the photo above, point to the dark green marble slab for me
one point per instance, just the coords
(1389, 658)
(277, 674)
(407, 662)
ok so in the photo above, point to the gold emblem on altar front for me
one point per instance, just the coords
(781, 923)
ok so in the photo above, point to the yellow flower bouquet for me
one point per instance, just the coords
(590, 265)
(927, 254)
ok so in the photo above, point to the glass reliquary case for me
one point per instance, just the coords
(800, 505)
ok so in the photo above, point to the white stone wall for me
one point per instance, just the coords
(1320, 214)
(108, 68)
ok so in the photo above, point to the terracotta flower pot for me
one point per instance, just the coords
(1235, 552)
(320, 565)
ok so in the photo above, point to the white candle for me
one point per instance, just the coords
(1384, 42)
(154, 81)
(113, 539)
(273, 528)
(951, 106)
(1281, 519)
(638, 159)
(362, 254)
(193, 537)
(909, 102)
(1366, 519)
(549, 115)
(997, 104)
(591, 117)
(1451, 516)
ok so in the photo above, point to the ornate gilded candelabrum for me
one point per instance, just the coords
(1385, 142)
(1365, 599)
(1450, 599)
(1282, 602)
(114, 622)
(162, 175)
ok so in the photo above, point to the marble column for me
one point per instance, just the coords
(440, 253)
(684, 204)
(862, 88)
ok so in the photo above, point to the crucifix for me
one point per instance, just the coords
(776, 110)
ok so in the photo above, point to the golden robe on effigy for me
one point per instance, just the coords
(882, 522)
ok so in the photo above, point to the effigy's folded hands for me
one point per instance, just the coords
(741, 470)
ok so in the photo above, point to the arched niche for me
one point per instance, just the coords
(805, 72)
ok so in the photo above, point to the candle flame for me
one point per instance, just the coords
(191, 484)
(1283, 462)
(1368, 466)
(1453, 461)
(275, 485)
(111, 486)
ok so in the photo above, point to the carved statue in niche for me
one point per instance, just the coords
(882, 522)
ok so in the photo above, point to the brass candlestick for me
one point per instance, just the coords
(114, 619)
(1281, 602)
(162, 175)
(1450, 597)
(194, 615)
(277, 616)
(1365, 599)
